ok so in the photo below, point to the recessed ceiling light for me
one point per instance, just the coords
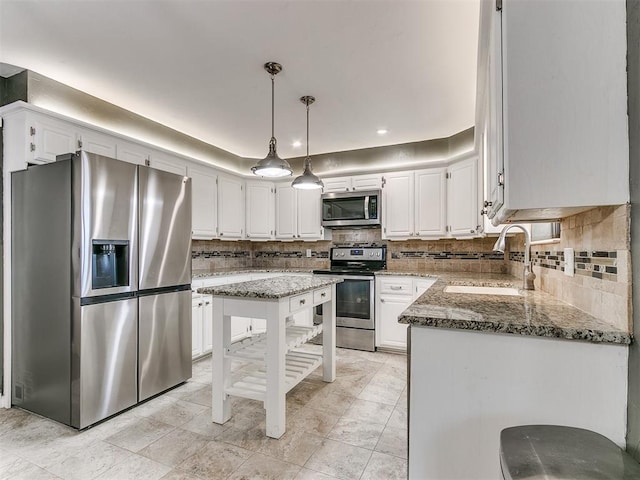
(297, 144)
(382, 131)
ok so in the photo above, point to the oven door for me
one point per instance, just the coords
(354, 302)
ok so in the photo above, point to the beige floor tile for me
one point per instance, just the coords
(330, 402)
(339, 460)
(135, 468)
(178, 413)
(203, 425)
(140, 434)
(366, 411)
(176, 474)
(357, 433)
(260, 467)
(215, 460)
(393, 441)
(200, 397)
(398, 418)
(251, 439)
(90, 462)
(174, 447)
(293, 447)
(381, 394)
(306, 474)
(385, 467)
(314, 421)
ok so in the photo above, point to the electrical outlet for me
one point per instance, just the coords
(569, 262)
(308, 253)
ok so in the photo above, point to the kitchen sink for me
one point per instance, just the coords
(512, 292)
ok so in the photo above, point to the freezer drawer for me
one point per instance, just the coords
(104, 380)
(165, 341)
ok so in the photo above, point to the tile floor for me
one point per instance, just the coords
(354, 428)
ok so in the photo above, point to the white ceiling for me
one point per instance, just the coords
(197, 66)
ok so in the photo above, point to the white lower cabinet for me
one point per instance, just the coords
(394, 294)
(201, 325)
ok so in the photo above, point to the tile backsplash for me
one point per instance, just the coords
(601, 285)
(600, 238)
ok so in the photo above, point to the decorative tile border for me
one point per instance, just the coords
(448, 255)
(596, 264)
(295, 254)
(219, 253)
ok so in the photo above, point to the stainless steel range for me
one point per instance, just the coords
(355, 296)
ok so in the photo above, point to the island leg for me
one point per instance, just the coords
(275, 396)
(329, 338)
(221, 365)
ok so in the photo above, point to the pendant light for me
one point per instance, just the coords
(307, 181)
(272, 165)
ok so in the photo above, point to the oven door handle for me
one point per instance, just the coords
(369, 278)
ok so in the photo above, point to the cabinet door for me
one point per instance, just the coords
(98, 143)
(196, 326)
(204, 200)
(132, 153)
(260, 222)
(430, 203)
(397, 205)
(51, 137)
(286, 212)
(494, 143)
(309, 214)
(338, 184)
(167, 163)
(207, 324)
(392, 334)
(366, 182)
(230, 208)
(462, 204)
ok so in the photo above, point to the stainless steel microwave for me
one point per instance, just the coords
(351, 209)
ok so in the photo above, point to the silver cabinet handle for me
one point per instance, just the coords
(396, 287)
(207, 303)
(303, 301)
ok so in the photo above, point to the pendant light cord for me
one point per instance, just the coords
(272, 108)
(307, 102)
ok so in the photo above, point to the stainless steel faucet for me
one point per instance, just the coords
(527, 275)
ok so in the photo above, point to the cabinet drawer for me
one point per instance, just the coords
(301, 301)
(321, 296)
(397, 285)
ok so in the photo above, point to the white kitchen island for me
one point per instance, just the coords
(278, 362)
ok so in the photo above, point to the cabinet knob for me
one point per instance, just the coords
(303, 301)
(221, 233)
(382, 300)
(323, 294)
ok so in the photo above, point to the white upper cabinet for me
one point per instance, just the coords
(286, 212)
(309, 214)
(298, 214)
(167, 163)
(430, 203)
(353, 183)
(463, 211)
(397, 205)
(132, 152)
(50, 137)
(552, 107)
(95, 142)
(230, 208)
(260, 203)
(204, 198)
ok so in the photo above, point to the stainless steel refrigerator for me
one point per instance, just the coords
(101, 300)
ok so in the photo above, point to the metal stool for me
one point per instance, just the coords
(552, 452)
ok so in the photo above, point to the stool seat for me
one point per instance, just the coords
(552, 452)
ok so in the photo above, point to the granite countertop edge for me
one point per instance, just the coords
(533, 313)
(274, 288)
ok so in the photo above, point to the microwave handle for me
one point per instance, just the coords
(366, 207)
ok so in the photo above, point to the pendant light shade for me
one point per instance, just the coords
(307, 181)
(272, 165)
